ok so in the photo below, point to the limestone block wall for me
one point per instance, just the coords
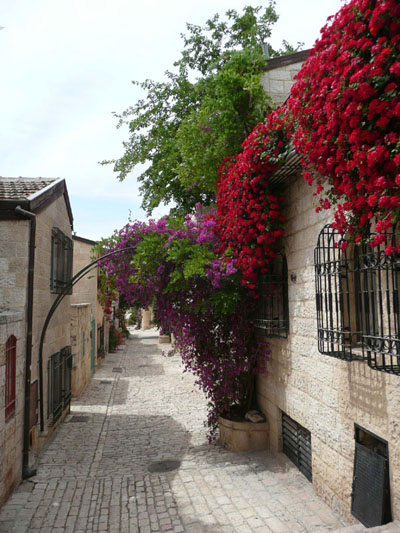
(325, 395)
(14, 242)
(11, 436)
(80, 345)
(277, 82)
(58, 332)
(86, 290)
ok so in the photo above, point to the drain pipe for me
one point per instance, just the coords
(26, 471)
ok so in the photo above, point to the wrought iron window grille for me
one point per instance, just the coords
(272, 314)
(100, 341)
(54, 389)
(59, 368)
(61, 261)
(10, 384)
(67, 357)
(357, 299)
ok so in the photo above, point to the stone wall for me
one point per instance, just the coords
(325, 395)
(11, 437)
(80, 344)
(85, 291)
(277, 82)
(14, 250)
(58, 332)
(14, 242)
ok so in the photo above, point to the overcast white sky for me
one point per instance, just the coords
(67, 64)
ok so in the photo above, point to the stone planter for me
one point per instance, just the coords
(164, 339)
(243, 436)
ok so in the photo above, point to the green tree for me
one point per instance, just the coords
(185, 126)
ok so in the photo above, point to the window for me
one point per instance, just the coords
(335, 288)
(272, 314)
(54, 377)
(67, 367)
(357, 297)
(100, 341)
(11, 361)
(83, 344)
(59, 369)
(379, 276)
(61, 262)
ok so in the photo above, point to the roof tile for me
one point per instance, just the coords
(22, 188)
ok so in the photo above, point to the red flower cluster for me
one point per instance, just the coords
(248, 218)
(346, 108)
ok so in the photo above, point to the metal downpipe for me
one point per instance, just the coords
(26, 471)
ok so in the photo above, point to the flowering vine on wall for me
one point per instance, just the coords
(343, 116)
(346, 110)
(249, 217)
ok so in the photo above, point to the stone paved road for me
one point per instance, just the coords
(94, 475)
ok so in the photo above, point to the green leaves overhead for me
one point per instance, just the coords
(187, 124)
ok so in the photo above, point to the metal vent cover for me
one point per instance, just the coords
(370, 498)
(297, 445)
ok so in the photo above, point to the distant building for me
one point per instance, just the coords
(89, 325)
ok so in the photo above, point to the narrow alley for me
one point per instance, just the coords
(133, 456)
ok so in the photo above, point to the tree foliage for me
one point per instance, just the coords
(186, 125)
(197, 297)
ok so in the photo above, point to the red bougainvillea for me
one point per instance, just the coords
(346, 108)
(343, 116)
(249, 218)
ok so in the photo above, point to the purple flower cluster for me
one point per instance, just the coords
(197, 296)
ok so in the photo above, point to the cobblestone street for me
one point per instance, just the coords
(101, 471)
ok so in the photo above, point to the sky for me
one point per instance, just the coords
(67, 65)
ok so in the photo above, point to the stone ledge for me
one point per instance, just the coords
(8, 316)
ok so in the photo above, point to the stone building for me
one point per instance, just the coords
(89, 325)
(35, 264)
(331, 393)
(279, 73)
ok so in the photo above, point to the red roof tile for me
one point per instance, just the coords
(22, 188)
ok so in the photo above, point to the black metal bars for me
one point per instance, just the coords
(272, 311)
(357, 297)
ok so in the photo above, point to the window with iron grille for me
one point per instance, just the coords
(67, 367)
(357, 297)
(61, 261)
(55, 382)
(83, 344)
(59, 369)
(11, 363)
(272, 315)
(100, 341)
(379, 291)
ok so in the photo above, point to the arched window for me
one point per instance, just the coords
(357, 297)
(11, 363)
(272, 313)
